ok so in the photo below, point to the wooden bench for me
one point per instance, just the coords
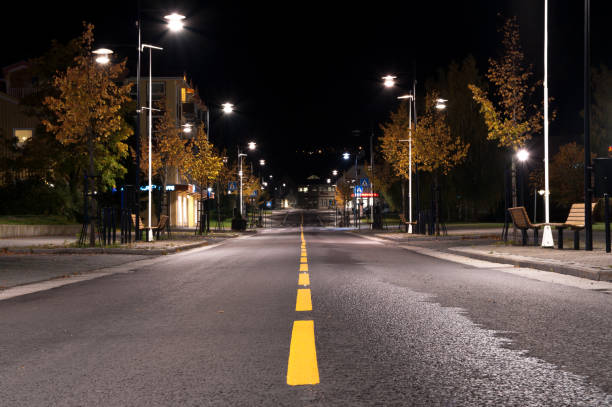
(161, 225)
(575, 221)
(521, 221)
(404, 222)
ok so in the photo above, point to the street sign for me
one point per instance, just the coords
(232, 186)
(358, 190)
(254, 193)
(364, 182)
(268, 204)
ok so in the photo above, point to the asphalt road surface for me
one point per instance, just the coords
(386, 326)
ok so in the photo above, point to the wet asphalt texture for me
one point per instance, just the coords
(392, 327)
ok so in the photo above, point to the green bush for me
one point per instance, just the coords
(35, 197)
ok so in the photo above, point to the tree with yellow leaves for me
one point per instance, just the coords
(512, 121)
(395, 148)
(202, 164)
(87, 114)
(434, 148)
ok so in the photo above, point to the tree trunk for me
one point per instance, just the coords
(437, 201)
(404, 197)
(91, 181)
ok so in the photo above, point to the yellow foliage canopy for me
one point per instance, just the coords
(89, 100)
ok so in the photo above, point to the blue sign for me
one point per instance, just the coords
(254, 193)
(358, 190)
(268, 204)
(364, 182)
(232, 186)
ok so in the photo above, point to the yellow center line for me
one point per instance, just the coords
(303, 253)
(304, 279)
(304, 267)
(303, 301)
(303, 259)
(302, 368)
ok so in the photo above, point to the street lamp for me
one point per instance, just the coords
(522, 155)
(346, 156)
(251, 145)
(389, 81)
(227, 107)
(150, 127)
(410, 97)
(335, 173)
(441, 104)
(102, 55)
(175, 22)
(547, 238)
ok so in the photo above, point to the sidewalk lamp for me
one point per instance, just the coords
(335, 173)
(227, 107)
(346, 156)
(103, 55)
(175, 22)
(441, 104)
(251, 145)
(187, 127)
(389, 81)
(522, 155)
(410, 97)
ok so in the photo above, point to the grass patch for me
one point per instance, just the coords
(36, 220)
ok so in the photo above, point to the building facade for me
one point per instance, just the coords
(188, 110)
(314, 194)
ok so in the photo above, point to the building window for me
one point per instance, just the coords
(22, 135)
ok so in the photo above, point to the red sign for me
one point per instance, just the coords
(366, 195)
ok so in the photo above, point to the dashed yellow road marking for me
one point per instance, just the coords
(304, 279)
(302, 368)
(303, 259)
(303, 267)
(303, 253)
(303, 301)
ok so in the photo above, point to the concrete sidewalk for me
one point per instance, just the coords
(485, 244)
(67, 245)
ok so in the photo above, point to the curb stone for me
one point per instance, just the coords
(100, 250)
(590, 273)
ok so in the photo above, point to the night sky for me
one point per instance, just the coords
(304, 75)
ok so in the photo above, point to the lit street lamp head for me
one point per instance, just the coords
(346, 156)
(252, 145)
(262, 162)
(389, 81)
(522, 155)
(102, 55)
(335, 172)
(441, 104)
(175, 22)
(227, 107)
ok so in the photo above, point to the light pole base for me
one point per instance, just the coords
(547, 237)
(410, 228)
(149, 235)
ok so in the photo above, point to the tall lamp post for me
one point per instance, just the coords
(175, 23)
(547, 238)
(588, 221)
(251, 146)
(150, 128)
(389, 82)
